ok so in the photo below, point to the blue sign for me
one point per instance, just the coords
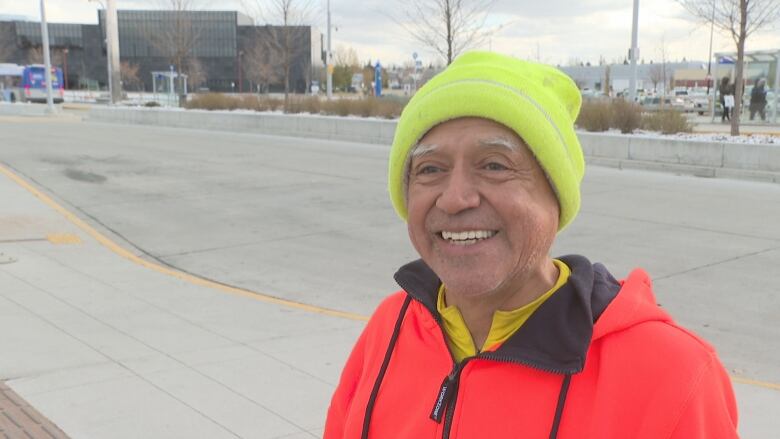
(378, 80)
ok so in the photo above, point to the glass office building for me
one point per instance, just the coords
(208, 46)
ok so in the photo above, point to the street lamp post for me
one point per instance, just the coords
(240, 72)
(46, 60)
(328, 60)
(634, 53)
(709, 58)
(112, 49)
(65, 66)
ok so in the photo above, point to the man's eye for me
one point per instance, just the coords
(493, 166)
(429, 169)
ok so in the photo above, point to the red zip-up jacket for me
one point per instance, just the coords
(599, 359)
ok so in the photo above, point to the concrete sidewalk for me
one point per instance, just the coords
(107, 348)
(705, 124)
(107, 344)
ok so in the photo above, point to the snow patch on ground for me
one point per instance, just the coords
(751, 139)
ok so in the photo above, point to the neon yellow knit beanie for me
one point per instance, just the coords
(540, 103)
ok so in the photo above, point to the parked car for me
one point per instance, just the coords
(701, 103)
(657, 103)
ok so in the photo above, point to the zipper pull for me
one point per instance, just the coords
(449, 387)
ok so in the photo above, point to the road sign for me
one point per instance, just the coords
(378, 80)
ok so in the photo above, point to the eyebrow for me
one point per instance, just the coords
(502, 142)
(422, 149)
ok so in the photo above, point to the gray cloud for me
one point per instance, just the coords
(562, 29)
(556, 8)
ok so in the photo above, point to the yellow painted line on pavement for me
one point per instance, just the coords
(116, 248)
(748, 381)
(63, 238)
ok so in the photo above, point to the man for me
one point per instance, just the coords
(758, 100)
(726, 90)
(491, 337)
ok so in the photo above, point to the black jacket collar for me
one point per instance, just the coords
(556, 337)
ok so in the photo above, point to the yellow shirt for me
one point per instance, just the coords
(505, 323)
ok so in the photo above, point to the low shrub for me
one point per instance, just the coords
(595, 115)
(625, 116)
(271, 104)
(213, 101)
(667, 122)
(601, 115)
(303, 104)
(152, 104)
(250, 102)
(364, 107)
(385, 107)
(389, 107)
(337, 107)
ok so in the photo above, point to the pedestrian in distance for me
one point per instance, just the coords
(726, 90)
(758, 100)
(489, 336)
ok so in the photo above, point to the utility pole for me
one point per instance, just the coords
(634, 53)
(328, 60)
(709, 58)
(46, 60)
(112, 49)
(240, 72)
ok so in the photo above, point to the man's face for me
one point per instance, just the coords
(481, 212)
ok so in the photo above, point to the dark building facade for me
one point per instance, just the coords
(76, 48)
(217, 50)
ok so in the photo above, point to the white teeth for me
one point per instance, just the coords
(467, 238)
(466, 242)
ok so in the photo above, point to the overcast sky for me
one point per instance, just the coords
(553, 31)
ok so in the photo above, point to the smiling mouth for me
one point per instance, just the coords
(467, 237)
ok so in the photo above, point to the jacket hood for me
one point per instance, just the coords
(556, 338)
(634, 304)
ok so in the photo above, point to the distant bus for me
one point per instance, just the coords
(28, 83)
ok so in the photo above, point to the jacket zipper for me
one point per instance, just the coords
(448, 395)
(448, 392)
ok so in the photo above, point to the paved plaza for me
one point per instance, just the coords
(169, 283)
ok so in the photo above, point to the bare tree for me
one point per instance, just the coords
(346, 56)
(291, 15)
(129, 74)
(659, 72)
(259, 59)
(448, 27)
(7, 43)
(35, 55)
(657, 75)
(345, 64)
(179, 37)
(739, 19)
(196, 74)
(130, 77)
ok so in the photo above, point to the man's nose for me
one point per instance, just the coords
(460, 192)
